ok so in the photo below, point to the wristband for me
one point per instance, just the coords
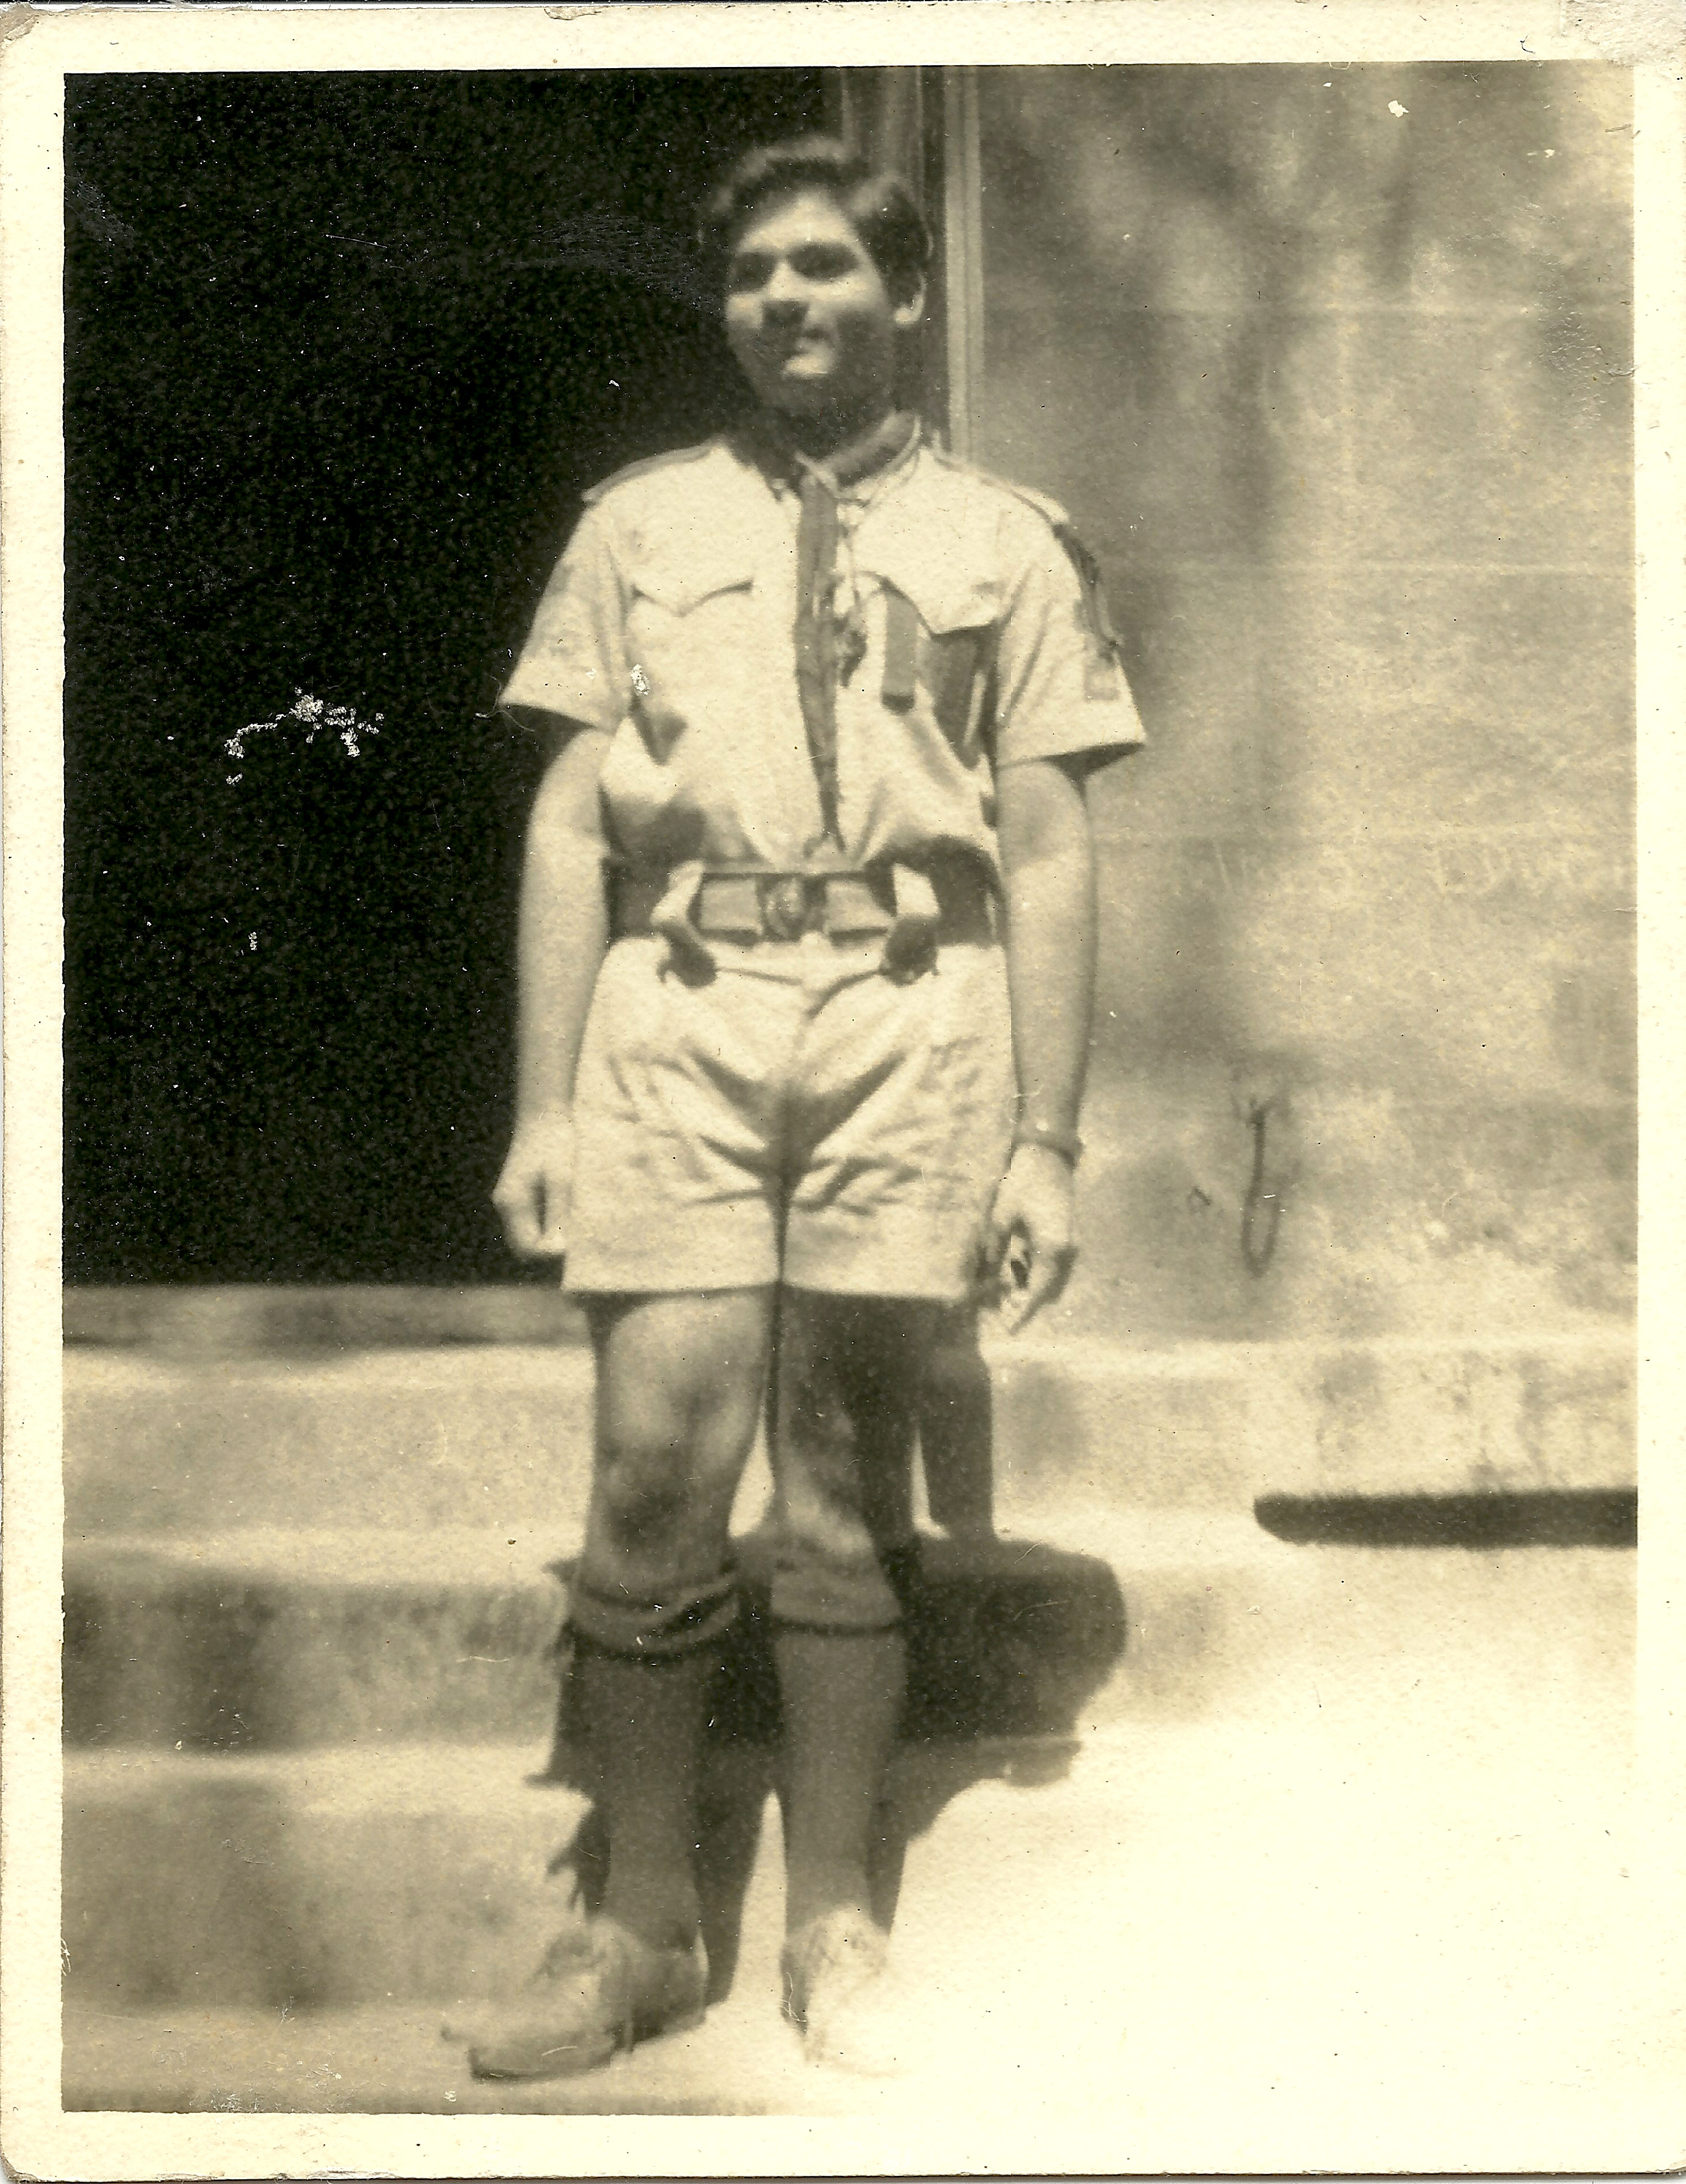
(1066, 1143)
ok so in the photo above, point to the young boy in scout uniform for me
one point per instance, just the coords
(806, 956)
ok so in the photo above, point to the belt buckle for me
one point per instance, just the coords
(786, 907)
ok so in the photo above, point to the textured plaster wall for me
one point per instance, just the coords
(1338, 393)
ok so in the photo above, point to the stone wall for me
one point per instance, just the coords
(1331, 366)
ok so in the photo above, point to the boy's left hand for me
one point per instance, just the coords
(1031, 1248)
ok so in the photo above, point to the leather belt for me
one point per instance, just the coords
(947, 898)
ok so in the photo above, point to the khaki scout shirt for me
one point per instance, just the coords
(669, 624)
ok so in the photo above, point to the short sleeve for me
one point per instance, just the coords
(574, 664)
(1060, 691)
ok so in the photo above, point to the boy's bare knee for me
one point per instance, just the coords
(644, 1484)
(659, 1479)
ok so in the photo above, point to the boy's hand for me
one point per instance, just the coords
(1031, 1248)
(534, 1191)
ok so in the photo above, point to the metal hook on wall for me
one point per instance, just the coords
(1261, 1213)
(1261, 1209)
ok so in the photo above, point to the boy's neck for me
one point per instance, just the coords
(847, 446)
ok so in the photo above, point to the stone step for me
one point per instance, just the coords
(498, 1436)
(1304, 1933)
(427, 1874)
(365, 1872)
(274, 1641)
(347, 1875)
(278, 1641)
(229, 1319)
(401, 1438)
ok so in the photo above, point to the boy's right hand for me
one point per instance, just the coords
(1031, 1249)
(533, 1192)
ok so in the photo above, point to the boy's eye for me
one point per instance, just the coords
(824, 262)
(817, 262)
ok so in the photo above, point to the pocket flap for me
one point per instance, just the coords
(680, 584)
(952, 590)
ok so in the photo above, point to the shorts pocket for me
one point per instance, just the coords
(968, 1065)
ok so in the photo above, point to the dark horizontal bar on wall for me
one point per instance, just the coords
(1580, 1517)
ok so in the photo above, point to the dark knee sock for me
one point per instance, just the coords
(642, 1721)
(842, 1697)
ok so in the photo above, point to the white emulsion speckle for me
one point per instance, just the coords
(312, 714)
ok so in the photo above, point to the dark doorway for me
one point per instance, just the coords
(342, 351)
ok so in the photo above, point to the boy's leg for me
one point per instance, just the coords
(848, 1375)
(679, 1392)
(680, 1383)
(956, 1426)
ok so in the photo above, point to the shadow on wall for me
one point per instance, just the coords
(1339, 396)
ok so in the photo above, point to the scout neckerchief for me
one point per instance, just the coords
(829, 633)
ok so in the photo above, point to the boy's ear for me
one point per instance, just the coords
(908, 310)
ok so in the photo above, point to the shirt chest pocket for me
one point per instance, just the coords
(689, 643)
(939, 620)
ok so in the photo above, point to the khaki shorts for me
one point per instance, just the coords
(796, 1118)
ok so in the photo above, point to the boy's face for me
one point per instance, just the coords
(808, 316)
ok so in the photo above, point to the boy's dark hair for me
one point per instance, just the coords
(878, 205)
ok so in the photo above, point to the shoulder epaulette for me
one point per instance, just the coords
(1059, 522)
(593, 494)
(1045, 505)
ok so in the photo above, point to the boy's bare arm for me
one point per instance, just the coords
(1048, 864)
(564, 932)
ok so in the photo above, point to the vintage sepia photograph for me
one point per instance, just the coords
(851, 1108)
